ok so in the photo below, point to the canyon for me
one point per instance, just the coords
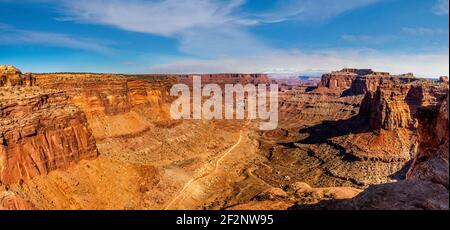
(359, 139)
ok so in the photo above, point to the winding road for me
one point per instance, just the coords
(195, 179)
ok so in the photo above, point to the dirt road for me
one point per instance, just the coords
(195, 179)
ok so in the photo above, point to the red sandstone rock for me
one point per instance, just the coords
(394, 105)
(11, 201)
(40, 133)
(110, 95)
(358, 81)
(11, 76)
(431, 161)
(426, 186)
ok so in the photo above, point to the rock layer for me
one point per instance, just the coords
(40, 132)
(426, 185)
(393, 105)
(11, 76)
(358, 81)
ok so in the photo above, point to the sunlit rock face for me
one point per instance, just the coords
(10, 76)
(394, 105)
(368, 139)
(40, 130)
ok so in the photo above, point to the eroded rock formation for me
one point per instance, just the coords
(393, 105)
(356, 131)
(10, 76)
(40, 131)
(11, 201)
(431, 161)
(426, 185)
(358, 81)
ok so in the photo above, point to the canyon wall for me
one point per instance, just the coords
(431, 161)
(40, 131)
(109, 94)
(393, 105)
(427, 181)
(347, 82)
(40, 134)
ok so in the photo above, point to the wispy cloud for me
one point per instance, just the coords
(367, 39)
(162, 17)
(202, 27)
(217, 35)
(423, 31)
(311, 10)
(441, 7)
(12, 35)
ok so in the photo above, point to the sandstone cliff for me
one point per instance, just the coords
(108, 94)
(431, 161)
(40, 131)
(426, 185)
(348, 82)
(393, 105)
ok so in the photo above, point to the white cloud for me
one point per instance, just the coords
(217, 31)
(12, 35)
(441, 7)
(311, 10)
(160, 17)
(201, 27)
(423, 31)
(207, 28)
(426, 64)
(367, 39)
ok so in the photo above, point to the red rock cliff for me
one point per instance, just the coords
(110, 94)
(348, 82)
(393, 105)
(431, 160)
(40, 131)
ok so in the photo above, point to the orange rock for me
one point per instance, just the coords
(11, 76)
(41, 133)
(11, 201)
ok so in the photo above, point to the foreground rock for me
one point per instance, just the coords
(11, 201)
(296, 193)
(426, 186)
(40, 131)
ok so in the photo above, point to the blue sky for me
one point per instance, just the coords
(196, 36)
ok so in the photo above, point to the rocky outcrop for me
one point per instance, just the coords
(11, 201)
(338, 81)
(299, 192)
(431, 161)
(349, 82)
(108, 94)
(370, 83)
(403, 195)
(10, 76)
(426, 185)
(393, 105)
(40, 131)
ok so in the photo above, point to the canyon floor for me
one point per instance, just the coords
(106, 141)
